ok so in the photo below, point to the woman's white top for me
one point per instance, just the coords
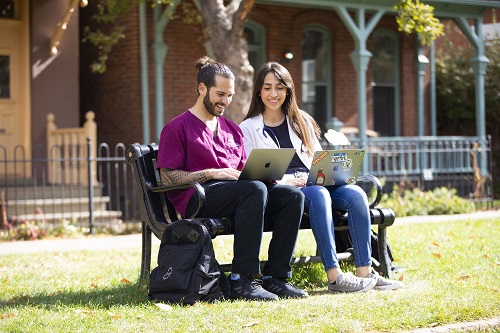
(253, 131)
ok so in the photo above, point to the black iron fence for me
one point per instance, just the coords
(68, 184)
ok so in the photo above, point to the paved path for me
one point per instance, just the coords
(134, 240)
(487, 325)
(94, 243)
(446, 218)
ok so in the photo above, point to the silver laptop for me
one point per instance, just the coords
(335, 167)
(267, 164)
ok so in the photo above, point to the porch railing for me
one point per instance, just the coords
(66, 146)
(427, 162)
(463, 163)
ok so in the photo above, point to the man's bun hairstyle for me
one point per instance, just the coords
(207, 69)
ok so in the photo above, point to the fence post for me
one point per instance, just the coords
(91, 184)
(90, 130)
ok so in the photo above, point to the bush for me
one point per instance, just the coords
(439, 201)
(33, 230)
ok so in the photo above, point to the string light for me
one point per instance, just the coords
(63, 25)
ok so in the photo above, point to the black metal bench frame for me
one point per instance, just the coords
(157, 212)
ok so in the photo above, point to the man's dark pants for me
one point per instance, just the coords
(250, 202)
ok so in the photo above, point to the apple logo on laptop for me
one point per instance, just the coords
(267, 165)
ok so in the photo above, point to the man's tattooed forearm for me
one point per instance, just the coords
(176, 177)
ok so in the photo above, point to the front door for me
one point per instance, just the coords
(14, 85)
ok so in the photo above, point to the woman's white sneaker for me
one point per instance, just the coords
(383, 283)
(348, 283)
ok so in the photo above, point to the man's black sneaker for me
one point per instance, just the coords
(283, 289)
(248, 288)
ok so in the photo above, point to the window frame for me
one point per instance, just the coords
(396, 72)
(327, 40)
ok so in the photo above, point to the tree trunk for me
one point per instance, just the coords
(224, 27)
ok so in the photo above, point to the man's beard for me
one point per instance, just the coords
(211, 106)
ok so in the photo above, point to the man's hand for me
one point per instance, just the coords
(223, 174)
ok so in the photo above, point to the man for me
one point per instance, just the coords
(202, 146)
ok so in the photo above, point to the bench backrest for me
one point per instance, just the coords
(157, 211)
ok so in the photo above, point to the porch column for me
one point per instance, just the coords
(361, 58)
(160, 50)
(433, 91)
(143, 35)
(162, 16)
(422, 62)
(360, 30)
(479, 63)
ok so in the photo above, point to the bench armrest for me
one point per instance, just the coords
(376, 185)
(165, 188)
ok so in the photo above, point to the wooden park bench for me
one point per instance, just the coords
(157, 212)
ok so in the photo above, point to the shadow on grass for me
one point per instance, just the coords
(105, 297)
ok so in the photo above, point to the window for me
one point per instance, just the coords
(385, 82)
(4, 76)
(7, 8)
(316, 78)
(255, 36)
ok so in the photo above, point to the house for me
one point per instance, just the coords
(39, 73)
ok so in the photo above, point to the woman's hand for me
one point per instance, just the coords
(297, 182)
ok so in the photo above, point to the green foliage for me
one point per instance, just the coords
(107, 30)
(439, 201)
(417, 17)
(104, 41)
(190, 15)
(455, 88)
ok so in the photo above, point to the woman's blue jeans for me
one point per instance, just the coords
(319, 201)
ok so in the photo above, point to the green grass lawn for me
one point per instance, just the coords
(452, 275)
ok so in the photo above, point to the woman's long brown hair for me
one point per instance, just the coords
(299, 120)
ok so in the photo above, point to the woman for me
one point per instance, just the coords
(275, 120)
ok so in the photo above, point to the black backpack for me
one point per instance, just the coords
(187, 270)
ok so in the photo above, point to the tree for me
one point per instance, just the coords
(455, 93)
(224, 26)
(455, 88)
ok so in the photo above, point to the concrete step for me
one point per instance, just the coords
(81, 218)
(57, 205)
(36, 191)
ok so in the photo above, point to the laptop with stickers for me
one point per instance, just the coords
(335, 167)
(267, 164)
